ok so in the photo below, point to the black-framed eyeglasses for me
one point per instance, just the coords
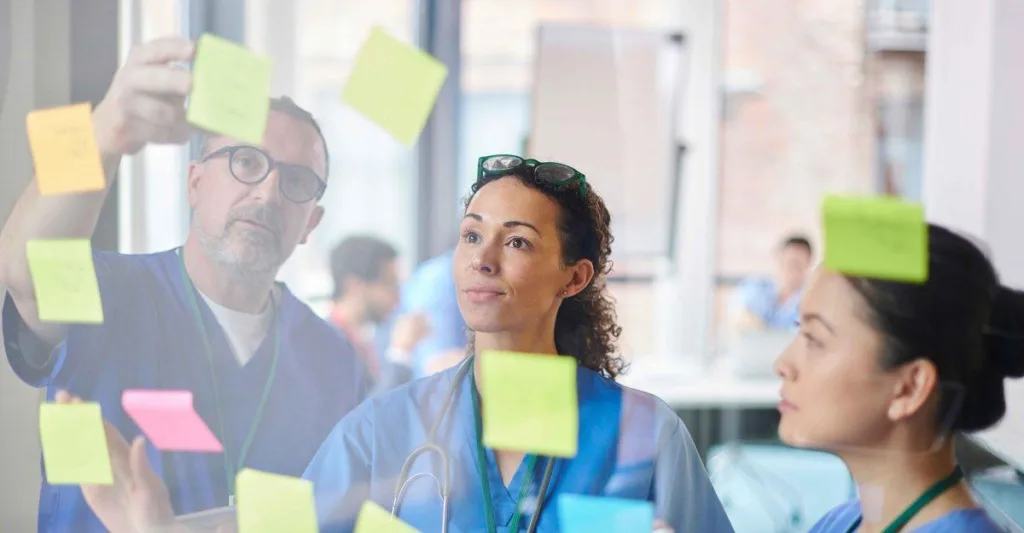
(251, 165)
(558, 175)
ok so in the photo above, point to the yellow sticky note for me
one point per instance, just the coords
(74, 444)
(530, 403)
(394, 85)
(272, 503)
(65, 281)
(375, 519)
(64, 150)
(230, 90)
(876, 237)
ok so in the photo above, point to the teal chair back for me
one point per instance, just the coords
(771, 488)
(1001, 491)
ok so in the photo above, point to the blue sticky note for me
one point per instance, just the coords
(592, 514)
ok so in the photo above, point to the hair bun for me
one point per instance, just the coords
(1006, 333)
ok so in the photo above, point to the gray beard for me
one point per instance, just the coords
(250, 258)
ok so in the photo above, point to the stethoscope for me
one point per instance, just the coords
(443, 485)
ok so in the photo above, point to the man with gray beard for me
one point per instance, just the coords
(267, 375)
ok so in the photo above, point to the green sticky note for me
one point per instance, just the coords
(230, 90)
(74, 444)
(876, 237)
(65, 281)
(375, 519)
(272, 503)
(529, 403)
(394, 85)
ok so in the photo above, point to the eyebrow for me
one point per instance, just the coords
(815, 316)
(507, 224)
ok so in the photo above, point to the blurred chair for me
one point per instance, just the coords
(771, 488)
(1001, 491)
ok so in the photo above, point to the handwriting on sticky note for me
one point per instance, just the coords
(230, 90)
(74, 444)
(375, 519)
(64, 151)
(394, 85)
(271, 503)
(169, 420)
(876, 237)
(590, 514)
(65, 281)
(530, 403)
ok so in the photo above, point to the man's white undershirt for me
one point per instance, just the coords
(245, 332)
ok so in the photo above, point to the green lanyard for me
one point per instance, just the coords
(481, 463)
(933, 492)
(231, 469)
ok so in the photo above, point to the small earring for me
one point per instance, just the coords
(565, 293)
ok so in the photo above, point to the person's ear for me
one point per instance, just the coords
(914, 386)
(314, 220)
(195, 174)
(581, 274)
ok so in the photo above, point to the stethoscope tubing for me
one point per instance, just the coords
(432, 446)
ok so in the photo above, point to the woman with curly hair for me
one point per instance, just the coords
(530, 271)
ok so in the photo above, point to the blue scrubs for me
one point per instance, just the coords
(150, 340)
(631, 445)
(431, 290)
(761, 297)
(840, 519)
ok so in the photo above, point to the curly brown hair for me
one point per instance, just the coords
(586, 326)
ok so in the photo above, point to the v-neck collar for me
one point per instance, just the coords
(260, 360)
(504, 496)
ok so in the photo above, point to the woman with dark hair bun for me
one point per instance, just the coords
(883, 373)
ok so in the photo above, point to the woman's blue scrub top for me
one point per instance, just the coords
(840, 519)
(631, 445)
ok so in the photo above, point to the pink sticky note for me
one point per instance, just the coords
(169, 420)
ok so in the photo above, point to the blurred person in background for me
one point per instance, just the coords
(366, 293)
(773, 303)
(268, 376)
(885, 373)
(431, 291)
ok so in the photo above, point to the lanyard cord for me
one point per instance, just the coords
(933, 492)
(230, 469)
(481, 463)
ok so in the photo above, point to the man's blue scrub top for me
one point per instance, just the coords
(431, 290)
(631, 445)
(761, 297)
(150, 339)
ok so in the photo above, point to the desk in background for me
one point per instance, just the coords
(706, 391)
(684, 385)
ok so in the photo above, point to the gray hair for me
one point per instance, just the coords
(286, 105)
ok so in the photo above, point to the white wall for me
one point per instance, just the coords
(39, 77)
(974, 151)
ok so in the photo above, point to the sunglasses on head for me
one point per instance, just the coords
(556, 175)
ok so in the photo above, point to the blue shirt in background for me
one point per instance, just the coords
(631, 445)
(761, 297)
(150, 340)
(840, 519)
(431, 290)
